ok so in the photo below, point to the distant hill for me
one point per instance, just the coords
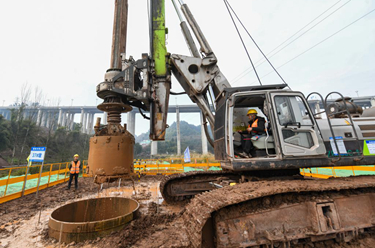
(190, 136)
(142, 137)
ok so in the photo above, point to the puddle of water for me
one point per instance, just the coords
(145, 194)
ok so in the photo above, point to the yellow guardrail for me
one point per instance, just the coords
(56, 173)
(334, 171)
(307, 174)
(172, 166)
(51, 175)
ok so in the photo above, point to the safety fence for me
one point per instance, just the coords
(340, 171)
(173, 165)
(18, 181)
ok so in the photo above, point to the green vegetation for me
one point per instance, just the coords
(19, 134)
(64, 144)
(4, 134)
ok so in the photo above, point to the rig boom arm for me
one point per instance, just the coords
(146, 83)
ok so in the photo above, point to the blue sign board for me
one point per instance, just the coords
(187, 155)
(37, 154)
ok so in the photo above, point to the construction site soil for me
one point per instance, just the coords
(3, 162)
(24, 221)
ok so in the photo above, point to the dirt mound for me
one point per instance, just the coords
(139, 229)
(3, 162)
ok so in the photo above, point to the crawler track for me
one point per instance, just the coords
(179, 188)
(225, 217)
(186, 178)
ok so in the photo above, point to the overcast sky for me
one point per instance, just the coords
(64, 47)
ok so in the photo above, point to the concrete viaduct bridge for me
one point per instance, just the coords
(56, 116)
(64, 116)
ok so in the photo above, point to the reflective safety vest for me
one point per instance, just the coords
(75, 168)
(255, 124)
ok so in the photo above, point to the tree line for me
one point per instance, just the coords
(18, 136)
(21, 132)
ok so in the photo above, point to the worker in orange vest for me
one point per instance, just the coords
(74, 169)
(256, 127)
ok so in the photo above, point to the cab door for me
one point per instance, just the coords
(297, 129)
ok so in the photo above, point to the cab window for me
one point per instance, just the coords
(291, 110)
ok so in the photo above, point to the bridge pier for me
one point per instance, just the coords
(71, 126)
(131, 122)
(82, 114)
(90, 123)
(38, 117)
(88, 116)
(59, 120)
(178, 131)
(84, 123)
(67, 120)
(63, 121)
(203, 137)
(48, 119)
(43, 122)
(154, 148)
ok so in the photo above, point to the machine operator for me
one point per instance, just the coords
(256, 127)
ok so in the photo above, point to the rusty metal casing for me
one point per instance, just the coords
(91, 218)
(111, 157)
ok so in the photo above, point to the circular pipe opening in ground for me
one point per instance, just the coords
(91, 218)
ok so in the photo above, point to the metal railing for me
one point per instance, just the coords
(339, 171)
(173, 165)
(17, 183)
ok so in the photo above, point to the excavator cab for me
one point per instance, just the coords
(291, 139)
(262, 143)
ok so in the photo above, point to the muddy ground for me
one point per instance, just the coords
(24, 221)
(3, 162)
